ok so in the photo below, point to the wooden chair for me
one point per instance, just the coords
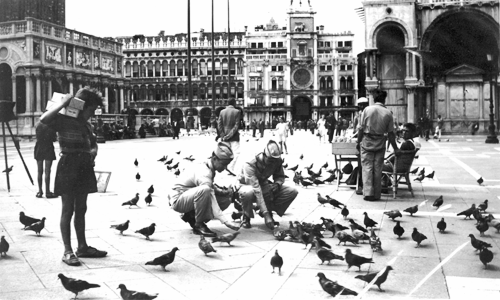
(401, 169)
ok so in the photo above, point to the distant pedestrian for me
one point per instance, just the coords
(254, 127)
(338, 127)
(312, 125)
(176, 127)
(439, 127)
(282, 134)
(228, 125)
(261, 128)
(44, 154)
(322, 128)
(331, 122)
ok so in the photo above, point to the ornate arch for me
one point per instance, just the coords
(380, 24)
(429, 33)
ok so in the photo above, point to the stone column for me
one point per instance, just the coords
(447, 100)
(106, 101)
(410, 105)
(69, 77)
(29, 99)
(336, 82)
(49, 87)
(481, 101)
(368, 66)
(38, 93)
(407, 61)
(14, 88)
(122, 100)
(414, 65)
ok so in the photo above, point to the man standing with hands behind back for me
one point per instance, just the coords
(228, 125)
(375, 121)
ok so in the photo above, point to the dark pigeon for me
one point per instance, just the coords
(27, 221)
(121, 227)
(4, 246)
(355, 260)
(398, 230)
(441, 225)
(133, 295)
(148, 199)
(136, 163)
(485, 256)
(418, 237)
(344, 212)
(381, 279)
(325, 254)
(277, 262)
(205, 245)
(75, 285)
(468, 212)
(392, 214)
(132, 201)
(438, 202)
(483, 206)
(334, 203)
(138, 176)
(369, 222)
(411, 210)
(332, 287)
(164, 260)
(37, 227)
(357, 226)
(147, 231)
(151, 189)
(478, 244)
(226, 238)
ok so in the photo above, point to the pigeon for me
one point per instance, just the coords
(36, 227)
(148, 199)
(75, 285)
(482, 227)
(205, 245)
(344, 212)
(285, 166)
(368, 222)
(294, 168)
(277, 262)
(325, 254)
(136, 163)
(381, 279)
(483, 206)
(317, 182)
(332, 287)
(313, 174)
(305, 183)
(168, 162)
(322, 200)
(478, 216)
(468, 212)
(8, 170)
(398, 229)
(133, 295)
(357, 226)
(416, 156)
(177, 173)
(190, 158)
(411, 210)
(480, 180)
(418, 237)
(334, 203)
(355, 260)
(330, 178)
(325, 165)
(345, 237)
(430, 175)
(178, 152)
(164, 158)
(375, 242)
(422, 172)
(438, 202)
(310, 167)
(301, 156)
(414, 171)
(27, 221)
(121, 227)
(151, 189)
(4, 246)
(478, 244)
(329, 225)
(441, 225)
(226, 238)
(393, 214)
(485, 256)
(132, 201)
(164, 260)
(360, 235)
(293, 231)
(280, 235)
(175, 166)
(419, 178)
(340, 227)
(169, 168)
(147, 231)
(296, 178)
(138, 176)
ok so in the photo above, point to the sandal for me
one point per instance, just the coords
(91, 252)
(51, 195)
(39, 195)
(71, 260)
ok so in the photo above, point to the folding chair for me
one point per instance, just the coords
(401, 169)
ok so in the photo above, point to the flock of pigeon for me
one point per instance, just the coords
(306, 233)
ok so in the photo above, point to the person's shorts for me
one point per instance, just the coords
(75, 175)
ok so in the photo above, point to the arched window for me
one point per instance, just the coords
(203, 91)
(158, 69)
(343, 84)
(349, 84)
(209, 90)
(233, 90)
(322, 83)
(217, 67)
(217, 91)
(195, 91)
(240, 90)
(239, 71)
(203, 67)
(165, 68)
(224, 67)
(142, 69)
(173, 92)
(224, 91)
(274, 83)
(135, 70)
(150, 69)
(151, 92)
(172, 68)
(194, 67)
(259, 83)
(329, 83)
(128, 69)
(280, 84)
(180, 68)
(180, 92)
(232, 70)
(209, 67)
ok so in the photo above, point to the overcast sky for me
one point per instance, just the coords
(114, 18)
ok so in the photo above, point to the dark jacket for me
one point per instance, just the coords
(228, 124)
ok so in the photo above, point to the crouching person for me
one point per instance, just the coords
(256, 188)
(196, 196)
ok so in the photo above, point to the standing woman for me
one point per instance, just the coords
(282, 132)
(44, 152)
(321, 128)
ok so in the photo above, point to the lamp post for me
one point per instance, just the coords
(213, 65)
(492, 137)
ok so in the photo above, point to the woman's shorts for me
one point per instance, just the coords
(75, 175)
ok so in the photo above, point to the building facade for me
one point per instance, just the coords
(436, 56)
(39, 57)
(158, 69)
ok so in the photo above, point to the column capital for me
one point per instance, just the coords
(69, 76)
(13, 77)
(48, 73)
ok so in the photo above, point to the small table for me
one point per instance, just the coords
(346, 152)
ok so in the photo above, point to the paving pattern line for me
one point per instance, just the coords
(437, 268)
(466, 167)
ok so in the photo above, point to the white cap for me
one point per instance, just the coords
(362, 100)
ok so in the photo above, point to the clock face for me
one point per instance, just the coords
(302, 77)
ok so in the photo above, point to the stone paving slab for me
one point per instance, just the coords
(243, 270)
